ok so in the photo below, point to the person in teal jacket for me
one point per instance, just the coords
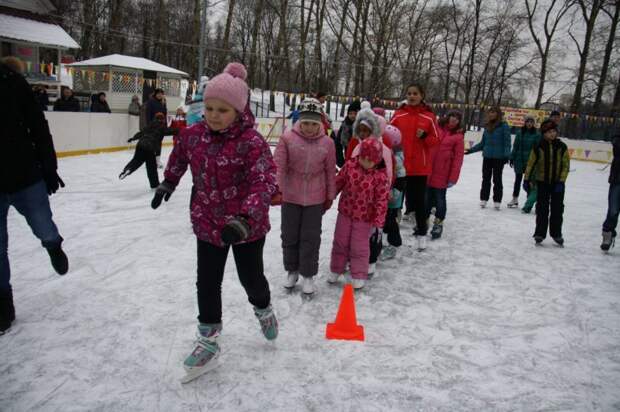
(495, 146)
(526, 138)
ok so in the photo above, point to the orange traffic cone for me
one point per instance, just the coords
(345, 327)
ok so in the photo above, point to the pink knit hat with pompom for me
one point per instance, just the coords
(393, 134)
(229, 86)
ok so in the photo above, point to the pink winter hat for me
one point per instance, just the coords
(229, 86)
(393, 135)
(371, 149)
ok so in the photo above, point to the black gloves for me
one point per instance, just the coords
(164, 191)
(235, 231)
(52, 181)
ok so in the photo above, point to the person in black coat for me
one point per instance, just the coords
(41, 97)
(156, 104)
(613, 209)
(99, 104)
(149, 143)
(67, 102)
(27, 177)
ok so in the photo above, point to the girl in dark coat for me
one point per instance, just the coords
(99, 104)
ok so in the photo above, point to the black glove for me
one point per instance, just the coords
(467, 151)
(164, 191)
(235, 231)
(511, 163)
(526, 185)
(53, 182)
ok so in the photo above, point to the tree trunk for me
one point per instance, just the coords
(229, 18)
(253, 49)
(608, 50)
(596, 7)
(469, 78)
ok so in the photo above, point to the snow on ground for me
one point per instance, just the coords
(482, 320)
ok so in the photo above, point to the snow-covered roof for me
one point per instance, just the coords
(32, 31)
(131, 62)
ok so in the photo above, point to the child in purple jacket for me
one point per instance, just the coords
(306, 160)
(234, 178)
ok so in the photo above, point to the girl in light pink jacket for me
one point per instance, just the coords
(306, 161)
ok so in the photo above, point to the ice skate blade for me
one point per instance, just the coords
(307, 297)
(194, 373)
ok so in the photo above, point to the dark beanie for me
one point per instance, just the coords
(548, 125)
(355, 106)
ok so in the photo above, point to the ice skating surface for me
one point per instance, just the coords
(481, 320)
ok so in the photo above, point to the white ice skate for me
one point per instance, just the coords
(513, 203)
(291, 280)
(421, 243)
(204, 356)
(307, 285)
(358, 283)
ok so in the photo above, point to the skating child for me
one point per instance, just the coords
(613, 210)
(548, 164)
(395, 204)
(525, 139)
(361, 208)
(418, 126)
(179, 123)
(234, 178)
(149, 144)
(447, 162)
(306, 160)
(495, 146)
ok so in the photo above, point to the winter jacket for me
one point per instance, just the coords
(26, 149)
(179, 123)
(67, 105)
(364, 193)
(306, 167)
(522, 147)
(233, 175)
(408, 119)
(345, 133)
(549, 162)
(154, 106)
(494, 144)
(134, 108)
(397, 197)
(447, 158)
(150, 138)
(614, 173)
(100, 107)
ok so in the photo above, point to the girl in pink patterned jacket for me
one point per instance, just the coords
(306, 160)
(361, 209)
(234, 178)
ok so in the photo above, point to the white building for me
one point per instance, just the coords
(121, 77)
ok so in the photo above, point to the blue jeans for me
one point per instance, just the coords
(613, 209)
(436, 198)
(33, 203)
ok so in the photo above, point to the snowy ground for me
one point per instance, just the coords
(482, 320)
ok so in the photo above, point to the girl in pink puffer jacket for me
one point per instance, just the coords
(447, 162)
(234, 178)
(362, 207)
(306, 160)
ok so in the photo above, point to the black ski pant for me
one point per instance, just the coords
(517, 186)
(549, 210)
(415, 196)
(301, 238)
(391, 228)
(211, 264)
(141, 156)
(492, 168)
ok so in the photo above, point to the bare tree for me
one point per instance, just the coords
(615, 5)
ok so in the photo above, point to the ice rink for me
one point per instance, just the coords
(481, 320)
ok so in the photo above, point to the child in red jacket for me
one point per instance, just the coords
(418, 125)
(361, 209)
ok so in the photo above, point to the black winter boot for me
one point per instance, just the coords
(7, 310)
(59, 259)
